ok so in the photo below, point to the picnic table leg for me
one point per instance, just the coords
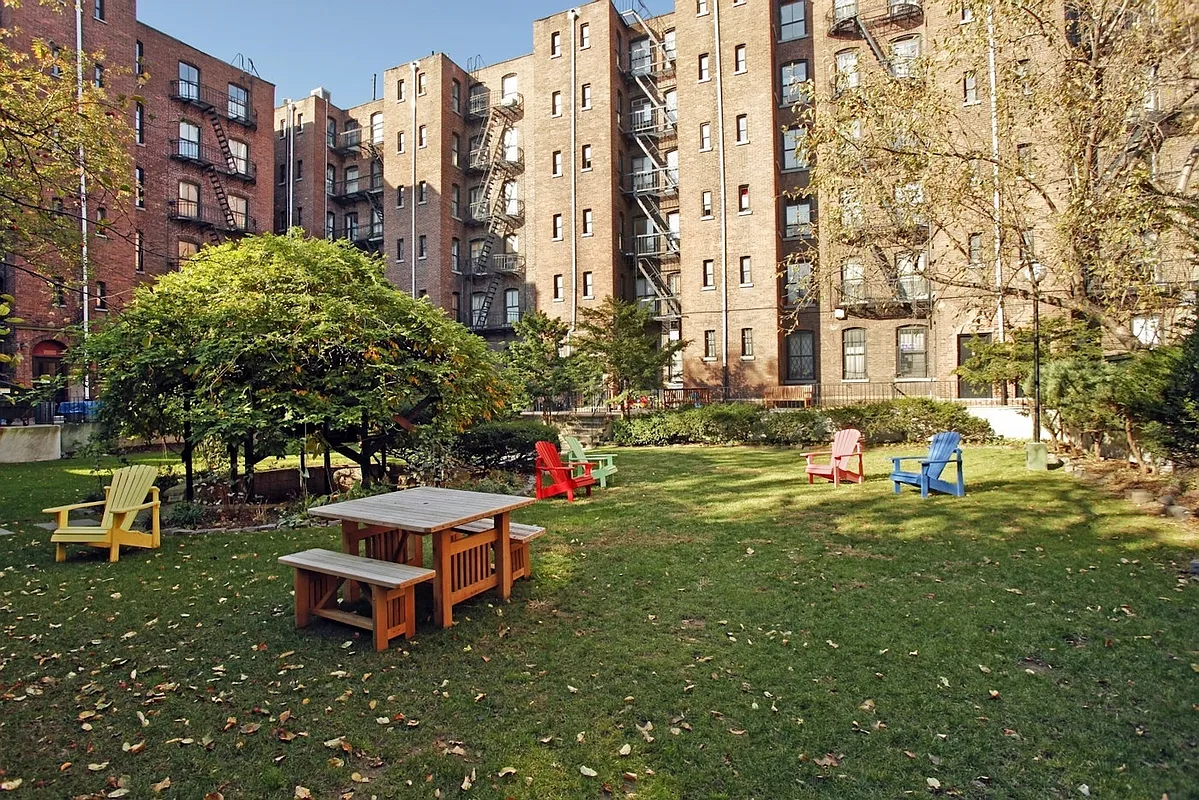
(443, 608)
(303, 599)
(349, 544)
(380, 617)
(503, 555)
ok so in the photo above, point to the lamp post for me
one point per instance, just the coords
(1037, 457)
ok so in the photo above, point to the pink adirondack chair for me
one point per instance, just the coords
(846, 445)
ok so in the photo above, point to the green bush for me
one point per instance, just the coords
(185, 515)
(911, 419)
(805, 427)
(503, 445)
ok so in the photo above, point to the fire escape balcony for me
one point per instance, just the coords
(662, 307)
(480, 103)
(654, 122)
(365, 237)
(845, 17)
(353, 190)
(905, 296)
(501, 263)
(211, 98)
(655, 245)
(907, 228)
(656, 64)
(657, 182)
(208, 216)
(203, 155)
(510, 211)
(346, 143)
(798, 230)
(509, 159)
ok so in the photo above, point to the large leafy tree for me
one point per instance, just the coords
(50, 136)
(617, 340)
(255, 343)
(538, 360)
(1086, 164)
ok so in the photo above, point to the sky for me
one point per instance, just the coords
(301, 44)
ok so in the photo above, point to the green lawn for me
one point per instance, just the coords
(784, 640)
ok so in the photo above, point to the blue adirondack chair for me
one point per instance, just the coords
(943, 450)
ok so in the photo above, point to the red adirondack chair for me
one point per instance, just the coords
(846, 445)
(561, 478)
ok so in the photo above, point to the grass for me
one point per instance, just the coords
(784, 641)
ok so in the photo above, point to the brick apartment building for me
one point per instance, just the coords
(196, 151)
(650, 158)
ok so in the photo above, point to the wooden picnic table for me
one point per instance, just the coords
(390, 527)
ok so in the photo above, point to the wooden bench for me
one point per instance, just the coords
(319, 574)
(520, 535)
(786, 395)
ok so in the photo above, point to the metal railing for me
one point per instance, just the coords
(655, 244)
(480, 212)
(479, 103)
(207, 155)
(207, 215)
(511, 157)
(798, 230)
(652, 121)
(654, 181)
(206, 97)
(361, 185)
(842, 18)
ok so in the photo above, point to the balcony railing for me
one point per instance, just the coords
(656, 244)
(479, 103)
(662, 306)
(210, 216)
(355, 188)
(906, 296)
(510, 158)
(844, 16)
(206, 155)
(655, 64)
(210, 97)
(652, 122)
(346, 142)
(512, 210)
(654, 181)
(797, 230)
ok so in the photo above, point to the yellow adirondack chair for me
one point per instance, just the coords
(124, 498)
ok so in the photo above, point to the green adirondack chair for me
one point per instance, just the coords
(602, 464)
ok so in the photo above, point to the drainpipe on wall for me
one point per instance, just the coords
(291, 160)
(724, 220)
(573, 14)
(83, 210)
(415, 67)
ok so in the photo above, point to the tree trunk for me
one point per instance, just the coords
(364, 455)
(1133, 448)
(233, 451)
(328, 458)
(250, 462)
(189, 449)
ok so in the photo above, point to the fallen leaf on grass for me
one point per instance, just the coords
(383, 720)
(828, 760)
(506, 771)
(571, 689)
(625, 749)
(250, 727)
(358, 777)
(588, 772)
(122, 792)
(286, 735)
(103, 765)
(736, 732)
(214, 796)
(134, 748)
(933, 783)
(162, 785)
(867, 705)
(11, 786)
(302, 793)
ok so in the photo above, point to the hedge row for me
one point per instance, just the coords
(909, 420)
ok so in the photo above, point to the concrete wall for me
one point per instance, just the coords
(1010, 422)
(23, 443)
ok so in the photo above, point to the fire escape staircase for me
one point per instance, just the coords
(498, 169)
(214, 177)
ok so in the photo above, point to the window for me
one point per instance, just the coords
(585, 162)
(240, 206)
(399, 249)
(189, 81)
(139, 123)
(377, 128)
(139, 251)
(239, 157)
(399, 197)
(794, 155)
(455, 150)
(185, 249)
(974, 250)
(237, 106)
(710, 344)
(559, 288)
(1147, 329)
(1024, 76)
(456, 254)
(456, 202)
(422, 136)
(909, 202)
(1028, 244)
(742, 129)
(798, 283)
(300, 125)
(299, 173)
(705, 136)
(511, 306)
(969, 88)
(420, 84)
(422, 246)
(797, 219)
(967, 13)
(701, 7)
(793, 77)
(641, 57)
(746, 271)
(330, 224)
(422, 192)
(911, 354)
(139, 58)
(101, 295)
(743, 199)
(98, 76)
(851, 209)
(587, 231)
(456, 305)
(478, 314)
(98, 10)
(853, 282)
(585, 97)
(905, 56)
(739, 59)
(670, 45)
(556, 164)
(555, 44)
(704, 73)
(456, 96)
(189, 140)
(139, 187)
(910, 281)
(584, 36)
(853, 354)
(747, 342)
(793, 21)
(556, 104)
(1024, 159)
(588, 285)
(801, 356)
(401, 88)
(400, 141)
(847, 76)
(557, 221)
(709, 275)
(671, 99)
(705, 205)
(57, 288)
(188, 204)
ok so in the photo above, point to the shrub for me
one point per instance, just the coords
(185, 515)
(722, 423)
(503, 445)
(912, 419)
(804, 427)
